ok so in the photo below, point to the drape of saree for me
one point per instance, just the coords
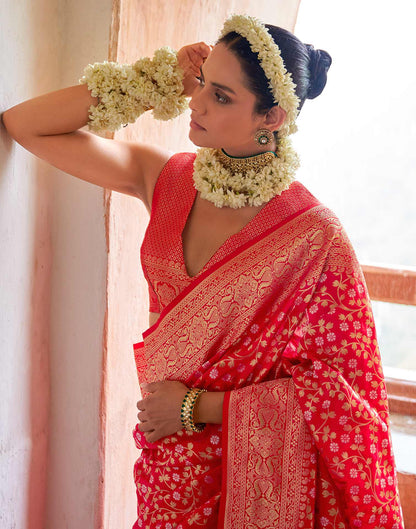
(284, 326)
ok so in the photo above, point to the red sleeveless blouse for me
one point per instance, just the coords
(162, 254)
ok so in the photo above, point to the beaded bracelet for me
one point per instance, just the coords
(187, 410)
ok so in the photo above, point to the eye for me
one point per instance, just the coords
(221, 98)
(201, 80)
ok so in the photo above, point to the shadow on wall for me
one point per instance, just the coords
(30, 60)
(28, 316)
(39, 346)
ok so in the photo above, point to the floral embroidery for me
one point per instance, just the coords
(340, 429)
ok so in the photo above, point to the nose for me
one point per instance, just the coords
(197, 101)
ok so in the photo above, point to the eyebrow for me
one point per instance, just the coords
(218, 85)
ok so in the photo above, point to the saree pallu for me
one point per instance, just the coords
(284, 326)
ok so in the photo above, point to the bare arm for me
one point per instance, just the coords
(48, 127)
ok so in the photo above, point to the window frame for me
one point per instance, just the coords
(395, 285)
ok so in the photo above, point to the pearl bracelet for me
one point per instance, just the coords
(187, 410)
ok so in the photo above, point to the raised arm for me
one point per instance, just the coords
(49, 127)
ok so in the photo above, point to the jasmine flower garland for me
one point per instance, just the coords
(222, 187)
(281, 83)
(127, 90)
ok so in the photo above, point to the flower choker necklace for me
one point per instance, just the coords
(237, 182)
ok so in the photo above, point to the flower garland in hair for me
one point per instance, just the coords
(127, 90)
(222, 187)
(280, 80)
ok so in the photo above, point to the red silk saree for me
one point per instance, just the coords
(283, 324)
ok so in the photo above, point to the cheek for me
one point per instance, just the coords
(237, 127)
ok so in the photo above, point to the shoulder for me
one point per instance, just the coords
(323, 216)
(321, 226)
(175, 177)
(329, 234)
(179, 162)
(177, 169)
(163, 165)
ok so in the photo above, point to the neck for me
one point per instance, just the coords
(241, 152)
(244, 156)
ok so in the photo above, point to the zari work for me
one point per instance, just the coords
(280, 320)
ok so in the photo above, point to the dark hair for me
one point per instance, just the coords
(307, 66)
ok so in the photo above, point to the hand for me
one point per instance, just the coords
(160, 411)
(190, 59)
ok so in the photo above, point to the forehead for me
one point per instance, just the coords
(222, 66)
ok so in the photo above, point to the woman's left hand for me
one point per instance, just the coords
(160, 411)
(190, 59)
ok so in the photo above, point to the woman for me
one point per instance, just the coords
(263, 402)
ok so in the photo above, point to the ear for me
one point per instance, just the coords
(275, 118)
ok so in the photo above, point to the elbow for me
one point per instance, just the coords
(7, 121)
(13, 128)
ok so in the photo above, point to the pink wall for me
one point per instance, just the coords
(52, 283)
(25, 265)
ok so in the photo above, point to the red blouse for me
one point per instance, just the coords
(162, 255)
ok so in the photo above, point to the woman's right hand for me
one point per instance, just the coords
(190, 60)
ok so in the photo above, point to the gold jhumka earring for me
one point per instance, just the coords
(263, 137)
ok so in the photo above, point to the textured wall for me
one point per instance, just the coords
(30, 66)
(52, 283)
(78, 286)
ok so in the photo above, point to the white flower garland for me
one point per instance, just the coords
(281, 83)
(127, 90)
(235, 190)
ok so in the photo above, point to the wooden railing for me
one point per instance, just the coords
(398, 285)
(395, 285)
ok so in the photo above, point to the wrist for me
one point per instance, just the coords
(208, 408)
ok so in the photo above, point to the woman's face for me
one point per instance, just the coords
(223, 108)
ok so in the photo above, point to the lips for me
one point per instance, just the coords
(195, 125)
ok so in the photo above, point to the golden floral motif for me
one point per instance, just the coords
(307, 418)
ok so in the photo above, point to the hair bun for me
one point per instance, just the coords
(319, 63)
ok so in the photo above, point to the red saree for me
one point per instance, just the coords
(283, 325)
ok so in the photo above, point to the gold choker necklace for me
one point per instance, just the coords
(237, 182)
(242, 165)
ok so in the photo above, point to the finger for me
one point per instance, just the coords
(197, 58)
(140, 405)
(142, 416)
(203, 49)
(151, 387)
(194, 70)
(145, 427)
(151, 437)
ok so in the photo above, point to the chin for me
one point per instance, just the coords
(199, 141)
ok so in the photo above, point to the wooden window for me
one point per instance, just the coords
(395, 285)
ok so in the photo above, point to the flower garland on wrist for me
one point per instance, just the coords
(126, 91)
